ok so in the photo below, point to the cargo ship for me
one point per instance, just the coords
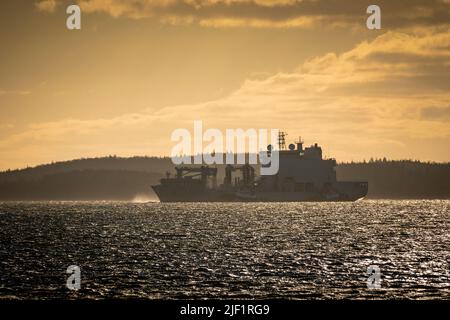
(303, 175)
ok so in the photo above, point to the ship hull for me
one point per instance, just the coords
(343, 191)
(170, 194)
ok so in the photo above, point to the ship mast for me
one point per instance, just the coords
(282, 140)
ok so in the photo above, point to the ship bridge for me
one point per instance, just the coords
(301, 168)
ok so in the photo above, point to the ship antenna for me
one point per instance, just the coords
(282, 140)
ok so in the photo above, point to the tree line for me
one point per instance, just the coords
(116, 178)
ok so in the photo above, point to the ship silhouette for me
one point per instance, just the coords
(303, 175)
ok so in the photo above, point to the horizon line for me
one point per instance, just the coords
(363, 161)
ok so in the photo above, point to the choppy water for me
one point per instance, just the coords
(224, 250)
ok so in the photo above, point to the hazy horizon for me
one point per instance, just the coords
(137, 70)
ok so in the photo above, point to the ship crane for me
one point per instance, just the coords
(204, 172)
(247, 171)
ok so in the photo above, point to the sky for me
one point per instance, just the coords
(138, 70)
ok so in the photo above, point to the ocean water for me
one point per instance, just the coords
(225, 250)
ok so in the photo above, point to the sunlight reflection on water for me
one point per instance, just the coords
(225, 250)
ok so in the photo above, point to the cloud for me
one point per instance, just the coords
(355, 104)
(275, 13)
(46, 5)
(436, 113)
(15, 92)
(6, 126)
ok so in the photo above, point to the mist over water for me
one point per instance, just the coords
(225, 250)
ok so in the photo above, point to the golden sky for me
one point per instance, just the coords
(137, 70)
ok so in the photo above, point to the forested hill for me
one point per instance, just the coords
(400, 179)
(115, 178)
(144, 164)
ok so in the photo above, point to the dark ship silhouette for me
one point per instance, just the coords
(303, 175)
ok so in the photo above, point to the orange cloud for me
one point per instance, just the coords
(355, 104)
(274, 13)
(46, 5)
